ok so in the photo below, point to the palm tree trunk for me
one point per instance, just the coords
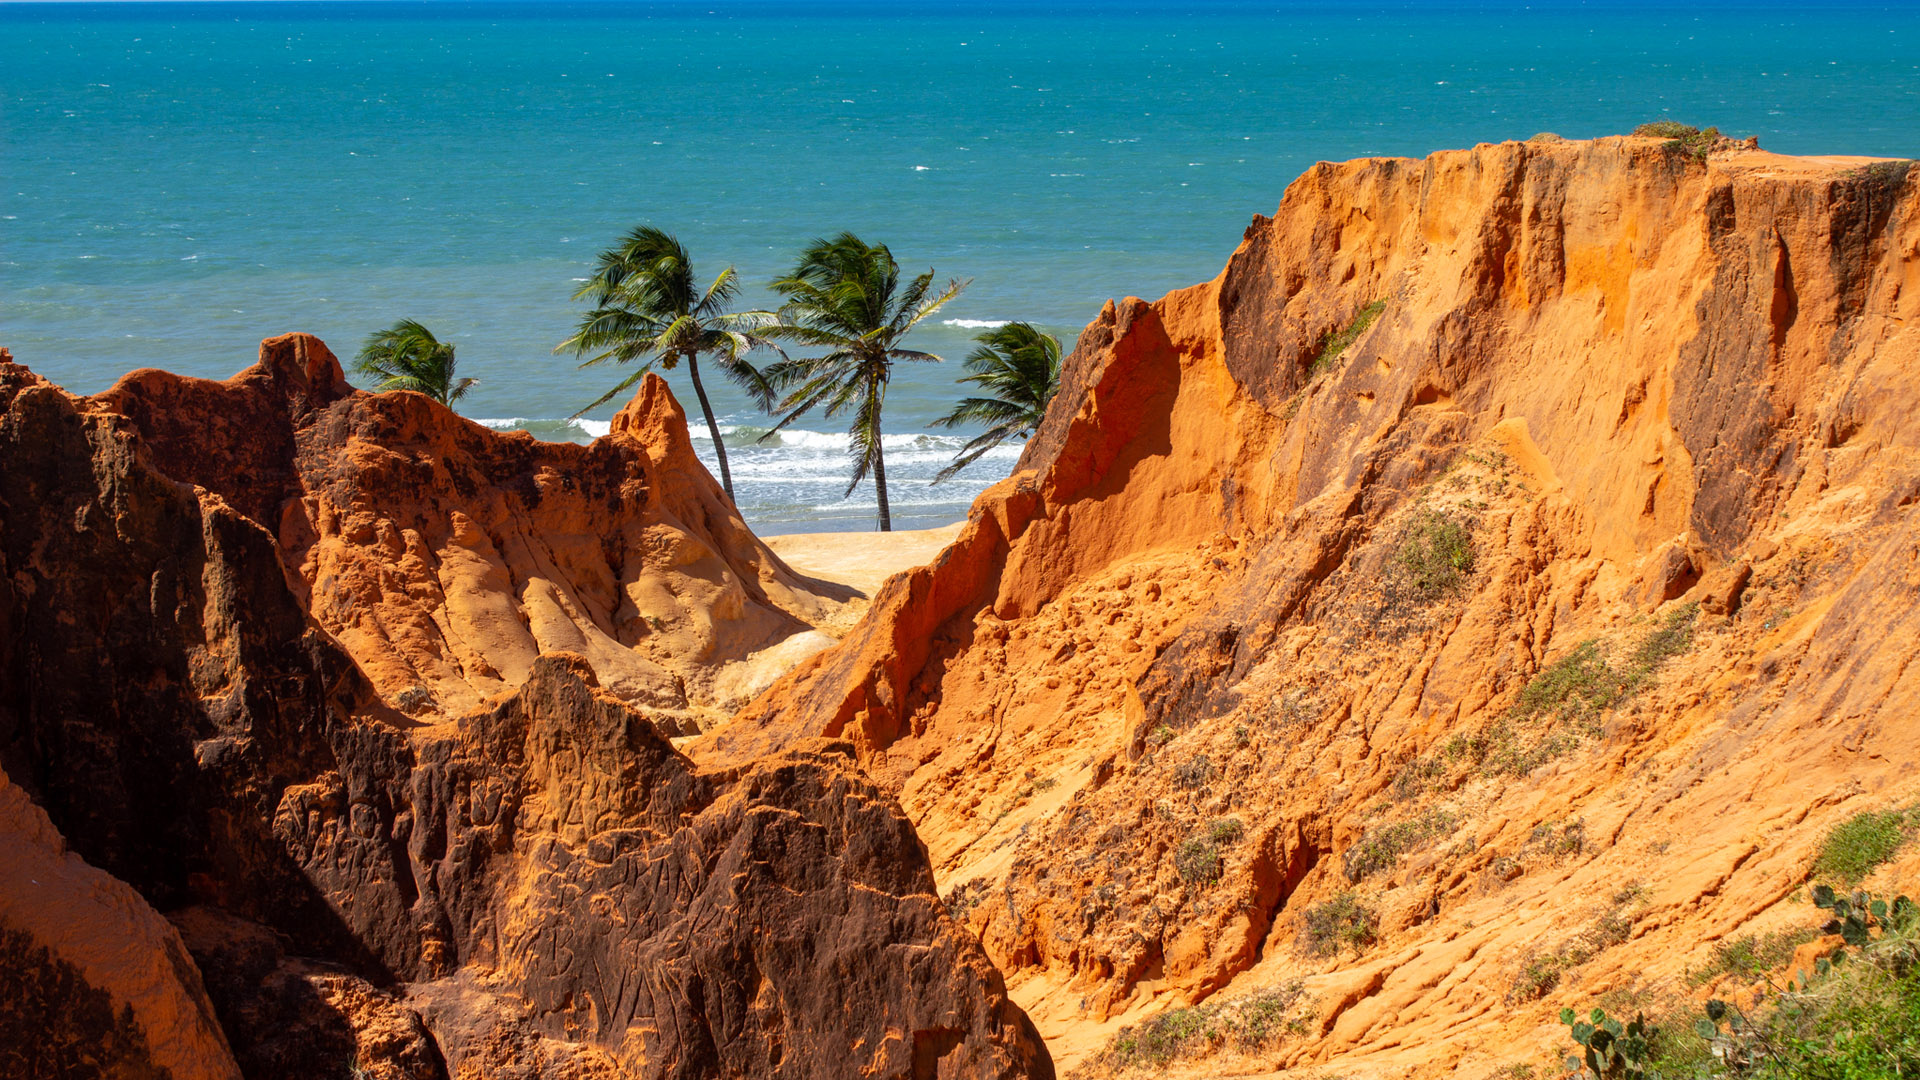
(713, 426)
(880, 468)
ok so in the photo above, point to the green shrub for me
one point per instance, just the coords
(1751, 957)
(1336, 342)
(1579, 684)
(1380, 849)
(1225, 830)
(1855, 1017)
(1197, 861)
(1857, 845)
(1193, 772)
(1435, 554)
(1253, 1022)
(1343, 922)
(1584, 683)
(1666, 129)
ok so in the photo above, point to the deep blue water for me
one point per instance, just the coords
(179, 180)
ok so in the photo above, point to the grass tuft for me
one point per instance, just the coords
(1343, 922)
(1336, 342)
(1380, 849)
(1435, 554)
(1253, 1022)
(1856, 846)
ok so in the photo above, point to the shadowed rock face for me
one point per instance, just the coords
(1182, 680)
(542, 886)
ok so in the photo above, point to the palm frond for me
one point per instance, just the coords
(638, 374)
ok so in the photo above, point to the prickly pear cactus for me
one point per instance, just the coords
(1609, 1049)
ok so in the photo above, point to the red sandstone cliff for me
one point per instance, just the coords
(214, 601)
(446, 556)
(1190, 673)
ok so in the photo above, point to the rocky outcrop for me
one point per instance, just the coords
(94, 981)
(446, 557)
(538, 886)
(1253, 627)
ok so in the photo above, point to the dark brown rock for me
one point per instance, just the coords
(188, 727)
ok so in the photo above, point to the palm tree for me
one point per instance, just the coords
(1020, 367)
(648, 307)
(847, 298)
(406, 356)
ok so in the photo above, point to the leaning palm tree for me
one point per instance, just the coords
(847, 298)
(1020, 367)
(406, 356)
(647, 306)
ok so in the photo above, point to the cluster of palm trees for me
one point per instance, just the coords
(845, 301)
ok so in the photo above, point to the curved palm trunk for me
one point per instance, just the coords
(713, 426)
(879, 458)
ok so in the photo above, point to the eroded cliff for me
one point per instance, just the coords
(215, 599)
(1481, 597)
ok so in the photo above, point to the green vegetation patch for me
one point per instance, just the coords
(1856, 1016)
(1541, 970)
(1336, 342)
(1343, 922)
(1435, 554)
(1751, 957)
(1380, 849)
(1856, 846)
(1666, 129)
(1585, 683)
(1681, 138)
(1253, 1022)
(1199, 858)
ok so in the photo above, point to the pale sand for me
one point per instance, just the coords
(859, 560)
(863, 560)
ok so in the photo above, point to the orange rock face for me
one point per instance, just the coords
(1551, 621)
(447, 557)
(195, 725)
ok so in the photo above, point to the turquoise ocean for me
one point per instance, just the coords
(179, 180)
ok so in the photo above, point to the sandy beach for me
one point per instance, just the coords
(864, 560)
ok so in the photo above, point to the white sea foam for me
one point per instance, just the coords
(975, 324)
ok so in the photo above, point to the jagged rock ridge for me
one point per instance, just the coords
(537, 886)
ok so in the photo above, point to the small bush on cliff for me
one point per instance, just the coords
(1855, 1017)
(1198, 859)
(1337, 341)
(1856, 846)
(1380, 849)
(1666, 129)
(1751, 956)
(1541, 970)
(1584, 683)
(1343, 922)
(1253, 1022)
(1435, 555)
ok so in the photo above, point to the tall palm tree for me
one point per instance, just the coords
(647, 306)
(406, 356)
(847, 298)
(1020, 367)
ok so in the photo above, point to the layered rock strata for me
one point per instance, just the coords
(540, 885)
(1505, 566)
